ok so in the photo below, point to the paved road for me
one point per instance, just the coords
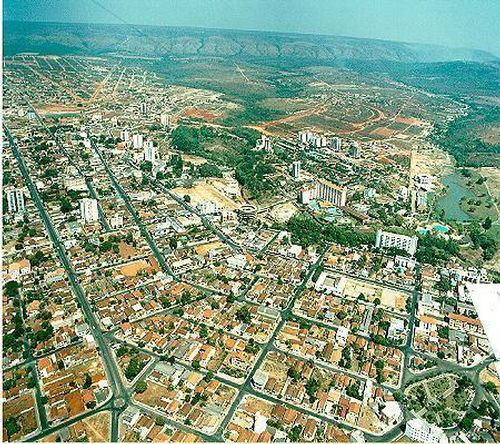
(112, 371)
(207, 222)
(88, 181)
(144, 232)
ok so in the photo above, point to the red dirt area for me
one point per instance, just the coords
(204, 114)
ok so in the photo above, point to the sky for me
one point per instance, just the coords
(455, 23)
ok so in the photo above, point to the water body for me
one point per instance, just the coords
(450, 202)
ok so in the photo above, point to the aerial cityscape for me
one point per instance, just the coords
(228, 235)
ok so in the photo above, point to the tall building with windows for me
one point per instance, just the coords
(138, 140)
(88, 210)
(150, 151)
(165, 119)
(331, 193)
(15, 200)
(419, 430)
(296, 169)
(385, 239)
(336, 143)
(324, 190)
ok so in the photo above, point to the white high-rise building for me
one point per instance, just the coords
(144, 108)
(124, 136)
(88, 210)
(421, 431)
(331, 193)
(165, 119)
(150, 151)
(264, 143)
(336, 143)
(385, 239)
(296, 169)
(138, 140)
(15, 200)
(355, 151)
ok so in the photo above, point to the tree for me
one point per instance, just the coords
(88, 381)
(491, 387)
(187, 198)
(141, 387)
(487, 223)
(209, 376)
(243, 314)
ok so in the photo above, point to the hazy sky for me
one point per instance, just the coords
(458, 23)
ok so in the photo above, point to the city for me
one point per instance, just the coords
(174, 273)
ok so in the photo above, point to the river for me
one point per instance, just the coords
(450, 202)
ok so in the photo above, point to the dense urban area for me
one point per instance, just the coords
(219, 251)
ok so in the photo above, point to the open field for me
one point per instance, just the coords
(203, 192)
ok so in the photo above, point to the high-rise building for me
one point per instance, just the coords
(264, 143)
(336, 143)
(165, 119)
(324, 190)
(296, 169)
(144, 108)
(385, 239)
(150, 151)
(125, 135)
(355, 151)
(88, 210)
(15, 200)
(331, 193)
(138, 140)
(419, 430)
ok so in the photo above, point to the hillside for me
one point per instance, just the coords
(93, 39)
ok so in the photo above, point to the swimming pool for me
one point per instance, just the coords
(441, 228)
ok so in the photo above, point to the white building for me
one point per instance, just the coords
(15, 200)
(150, 151)
(88, 210)
(165, 119)
(138, 140)
(331, 193)
(355, 151)
(421, 431)
(336, 143)
(124, 136)
(144, 108)
(296, 169)
(385, 239)
(207, 207)
(392, 413)
(116, 221)
(264, 143)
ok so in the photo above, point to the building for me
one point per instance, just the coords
(165, 119)
(144, 108)
(264, 143)
(15, 200)
(207, 207)
(124, 136)
(150, 151)
(336, 143)
(355, 151)
(307, 194)
(385, 239)
(116, 221)
(138, 140)
(88, 210)
(331, 193)
(391, 413)
(296, 169)
(421, 431)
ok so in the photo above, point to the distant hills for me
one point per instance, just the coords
(155, 41)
